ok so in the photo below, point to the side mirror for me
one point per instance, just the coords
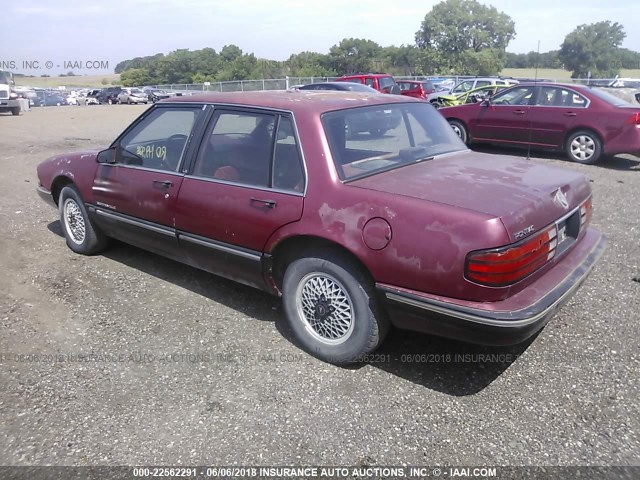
(107, 156)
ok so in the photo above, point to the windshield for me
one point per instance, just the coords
(369, 140)
(6, 78)
(609, 98)
(135, 90)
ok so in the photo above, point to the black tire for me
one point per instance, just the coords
(73, 214)
(583, 147)
(460, 130)
(15, 111)
(435, 104)
(364, 323)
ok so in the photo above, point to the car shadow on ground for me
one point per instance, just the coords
(618, 162)
(448, 366)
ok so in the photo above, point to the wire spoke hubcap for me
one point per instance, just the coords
(74, 221)
(583, 147)
(325, 308)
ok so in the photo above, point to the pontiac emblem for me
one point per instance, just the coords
(561, 199)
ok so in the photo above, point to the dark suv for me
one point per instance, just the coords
(109, 95)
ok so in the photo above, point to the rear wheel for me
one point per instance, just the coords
(331, 307)
(460, 130)
(81, 234)
(15, 111)
(583, 147)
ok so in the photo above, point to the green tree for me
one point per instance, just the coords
(135, 77)
(354, 55)
(593, 48)
(458, 30)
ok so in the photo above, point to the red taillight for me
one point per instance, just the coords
(634, 119)
(504, 266)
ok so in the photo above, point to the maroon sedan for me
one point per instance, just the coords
(355, 232)
(584, 122)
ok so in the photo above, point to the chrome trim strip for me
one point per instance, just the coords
(125, 219)
(146, 169)
(219, 246)
(237, 184)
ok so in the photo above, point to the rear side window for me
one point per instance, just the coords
(252, 149)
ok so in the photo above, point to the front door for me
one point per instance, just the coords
(506, 118)
(135, 197)
(247, 182)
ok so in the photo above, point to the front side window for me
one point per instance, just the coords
(514, 96)
(369, 140)
(159, 140)
(386, 82)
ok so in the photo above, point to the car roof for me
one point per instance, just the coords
(297, 101)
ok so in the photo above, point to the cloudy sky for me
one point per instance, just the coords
(81, 30)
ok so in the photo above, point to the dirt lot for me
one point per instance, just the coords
(192, 369)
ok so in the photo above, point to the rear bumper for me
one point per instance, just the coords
(506, 322)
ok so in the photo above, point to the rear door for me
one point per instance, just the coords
(247, 181)
(557, 111)
(506, 118)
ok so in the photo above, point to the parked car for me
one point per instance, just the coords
(266, 189)
(132, 95)
(415, 88)
(92, 97)
(472, 96)
(465, 86)
(585, 122)
(382, 82)
(52, 99)
(338, 86)
(109, 95)
(155, 95)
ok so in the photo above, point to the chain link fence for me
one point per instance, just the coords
(288, 82)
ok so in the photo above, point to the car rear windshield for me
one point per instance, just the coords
(609, 98)
(369, 140)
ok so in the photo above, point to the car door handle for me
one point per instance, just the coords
(519, 112)
(268, 203)
(570, 114)
(164, 183)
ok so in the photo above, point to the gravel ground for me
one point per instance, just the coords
(188, 368)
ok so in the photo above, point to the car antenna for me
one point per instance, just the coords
(535, 82)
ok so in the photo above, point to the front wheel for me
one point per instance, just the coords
(81, 235)
(331, 307)
(460, 130)
(15, 111)
(583, 147)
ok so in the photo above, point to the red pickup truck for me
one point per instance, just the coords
(382, 82)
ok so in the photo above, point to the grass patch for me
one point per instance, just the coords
(75, 81)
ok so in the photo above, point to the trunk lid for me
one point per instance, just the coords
(522, 193)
